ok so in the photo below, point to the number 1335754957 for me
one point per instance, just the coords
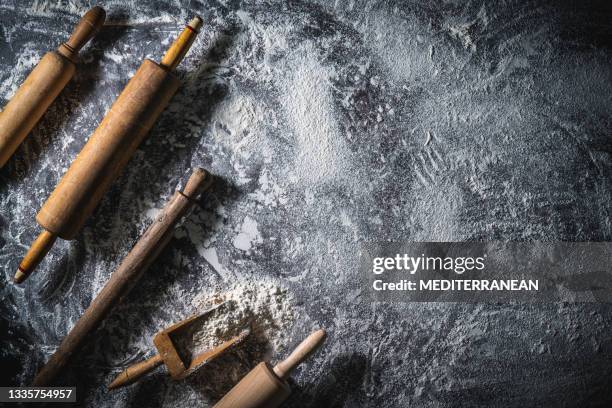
(35, 394)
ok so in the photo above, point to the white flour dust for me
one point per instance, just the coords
(321, 155)
(263, 307)
(131, 9)
(248, 236)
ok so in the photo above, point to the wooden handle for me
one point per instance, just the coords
(179, 48)
(87, 27)
(196, 183)
(133, 373)
(301, 353)
(209, 355)
(35, 254)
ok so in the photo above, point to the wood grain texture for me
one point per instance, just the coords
(43, 85)
(196, 183)
(87, 27)
(260, 388)
(32, 100)
(169, 355)
(108, 150)
(179, 48)
(134, 372)
(43, 243)
(520, 152)
(264, 386)
(209, 355)
(301, 353)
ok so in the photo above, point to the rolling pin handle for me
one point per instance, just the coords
(37, 252)
(196, 183)
(87, 27)
(133, 373)
(301, 353)
(179, 48)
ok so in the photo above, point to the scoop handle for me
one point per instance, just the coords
(301, 353)
(134, 372)
(87, 27)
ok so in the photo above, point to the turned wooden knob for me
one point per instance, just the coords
(87, 27)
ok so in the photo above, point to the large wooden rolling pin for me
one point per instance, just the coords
(266, 387)
(43, 85)
(108, 150)
(126, 276)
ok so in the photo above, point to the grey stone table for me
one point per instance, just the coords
(327, 124)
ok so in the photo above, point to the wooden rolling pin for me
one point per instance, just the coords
(43, 85)
(266, 387)
(126, 276)
(108, 150)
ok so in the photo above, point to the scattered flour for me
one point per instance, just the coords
(322, 155)
(48, 8)
(264, 307)
(211, 256)
(130, 8)
(28, 57)
(401, 46)
(284, 91)
(269, 193)
(464, 32)
(248, 236)
(234, 120)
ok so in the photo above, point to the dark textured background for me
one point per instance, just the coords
(327, 124)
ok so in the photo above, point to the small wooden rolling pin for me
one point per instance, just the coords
(43, 85)
(266, 387)
(127, 274)
(108, 150)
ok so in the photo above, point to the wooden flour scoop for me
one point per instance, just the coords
(169, 354)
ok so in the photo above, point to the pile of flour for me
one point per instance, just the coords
(263, 306)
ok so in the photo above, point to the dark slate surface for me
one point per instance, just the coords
(327, 125)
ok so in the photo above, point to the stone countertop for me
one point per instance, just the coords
(326, 125)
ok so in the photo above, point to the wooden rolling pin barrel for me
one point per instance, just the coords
(266, 387)
(108, 150)
(43, 85)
